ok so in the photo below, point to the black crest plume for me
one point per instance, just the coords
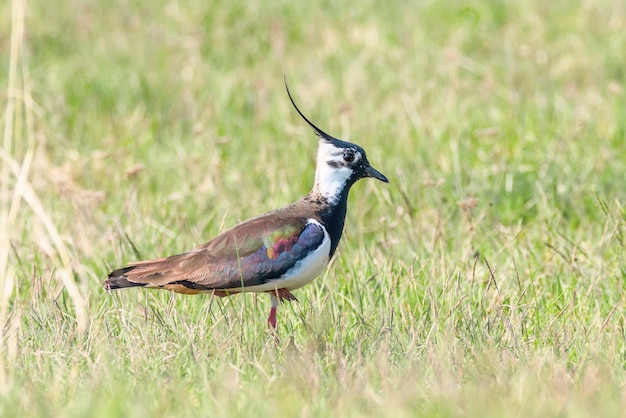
(317, 130)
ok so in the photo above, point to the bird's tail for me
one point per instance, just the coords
(118, 280)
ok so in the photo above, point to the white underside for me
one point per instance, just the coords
(302, 273)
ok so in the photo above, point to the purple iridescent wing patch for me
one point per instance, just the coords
(281, 250)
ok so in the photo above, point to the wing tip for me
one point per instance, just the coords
(117, 279)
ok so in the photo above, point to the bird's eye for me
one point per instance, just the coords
(348, 156)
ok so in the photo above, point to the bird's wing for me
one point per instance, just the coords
(250, 254)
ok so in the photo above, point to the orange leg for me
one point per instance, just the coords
(271, 320)
(278, 295)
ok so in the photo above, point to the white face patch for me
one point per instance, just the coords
(332, 170)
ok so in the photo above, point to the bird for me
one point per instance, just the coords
(276, 252)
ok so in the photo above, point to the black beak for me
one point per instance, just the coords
(372, 172)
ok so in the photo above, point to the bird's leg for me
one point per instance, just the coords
(271, 320)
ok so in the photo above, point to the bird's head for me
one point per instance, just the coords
(340, 164)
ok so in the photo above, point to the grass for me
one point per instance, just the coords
(487, 279)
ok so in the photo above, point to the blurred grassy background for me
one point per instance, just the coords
(487, 279)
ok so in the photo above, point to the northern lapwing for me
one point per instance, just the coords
(273, 253)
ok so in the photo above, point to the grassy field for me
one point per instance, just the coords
(486, 280)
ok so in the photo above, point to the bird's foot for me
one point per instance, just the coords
(283, 295)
